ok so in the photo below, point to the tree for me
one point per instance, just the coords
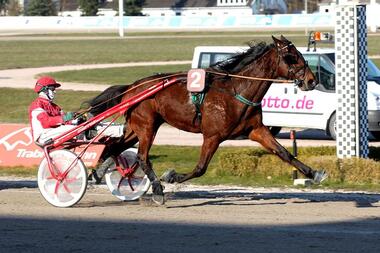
(41, 8)
(131, 7)
(3, 4)
(89, 7)
(14, 8)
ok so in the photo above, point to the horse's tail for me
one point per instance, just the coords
(105, 100)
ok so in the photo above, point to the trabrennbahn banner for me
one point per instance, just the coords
(18, 149)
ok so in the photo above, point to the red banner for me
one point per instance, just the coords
(18, 149)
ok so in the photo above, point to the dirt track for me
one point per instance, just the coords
(194, 219)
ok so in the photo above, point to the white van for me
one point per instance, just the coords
(285, 105)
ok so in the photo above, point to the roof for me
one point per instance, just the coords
(179, 3)
(237, 49)
(72, 5)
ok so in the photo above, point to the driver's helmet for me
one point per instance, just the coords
(45, 81)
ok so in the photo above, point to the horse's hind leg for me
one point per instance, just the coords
(114, 149)
(145, 126)
(265, 138)
(210, 145)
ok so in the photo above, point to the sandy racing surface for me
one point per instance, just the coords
(194, 219)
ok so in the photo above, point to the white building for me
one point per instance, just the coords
(373, 9)
(197, 7)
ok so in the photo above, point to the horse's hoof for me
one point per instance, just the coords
(168, 176)
(98, 179)
(158, 199)
(320, 176)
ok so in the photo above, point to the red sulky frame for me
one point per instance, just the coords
(116, 111)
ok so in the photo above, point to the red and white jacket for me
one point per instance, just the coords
(43, 115)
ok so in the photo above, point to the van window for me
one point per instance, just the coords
(373, 71)
(327, 73)
(323, 69)
(208, 59)
(331, 57)
(313, 61)
(204, 60)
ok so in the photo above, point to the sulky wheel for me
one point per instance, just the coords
(124, 177)
(59, 189)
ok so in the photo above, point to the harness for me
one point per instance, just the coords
(197, 98)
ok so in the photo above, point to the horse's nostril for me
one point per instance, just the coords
(312, 83)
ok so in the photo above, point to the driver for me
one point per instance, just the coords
(46, 118)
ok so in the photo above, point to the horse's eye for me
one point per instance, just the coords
(290, 59)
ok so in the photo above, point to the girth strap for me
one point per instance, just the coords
(197, 99)
(246, 101)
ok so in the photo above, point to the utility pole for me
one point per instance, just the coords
(305, 6)
(306, 30)
(121, 17)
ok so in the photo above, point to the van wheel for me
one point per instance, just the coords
(376, 134)
(331, 128)
(274, 130)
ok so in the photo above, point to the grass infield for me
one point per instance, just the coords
(63, 50)
(255, 167)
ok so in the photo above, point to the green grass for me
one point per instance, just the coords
(129, 34)
(17, 102)
(271, 171)
(38, 53)
(115, 76)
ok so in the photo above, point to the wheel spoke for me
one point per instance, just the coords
(119, 184)
(66, 188)
(130, 184)
(70, 180)
(56, 187)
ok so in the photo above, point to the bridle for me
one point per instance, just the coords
(292, 69)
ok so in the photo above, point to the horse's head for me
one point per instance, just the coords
(292, 65)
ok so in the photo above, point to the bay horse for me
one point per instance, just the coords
(231, 108)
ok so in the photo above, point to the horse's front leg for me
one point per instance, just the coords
(265, 138)
(209, 146)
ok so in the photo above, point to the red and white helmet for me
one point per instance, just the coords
(44, 82)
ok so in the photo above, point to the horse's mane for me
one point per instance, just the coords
(236, 63)
(108, 98)
(112, 96)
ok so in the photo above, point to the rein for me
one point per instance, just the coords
(250, 78)
(126, 91)
(291, 70)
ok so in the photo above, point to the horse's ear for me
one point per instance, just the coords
(284, 39)
(276, 41)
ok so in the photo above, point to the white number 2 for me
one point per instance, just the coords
(196, 80)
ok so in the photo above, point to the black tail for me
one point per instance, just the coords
(107, 99)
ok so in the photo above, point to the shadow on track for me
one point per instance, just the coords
(44, 235)
(13, 184)
(238, 197)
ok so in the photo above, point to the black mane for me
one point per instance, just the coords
(113, 96)
(236, 63)
(108, 98)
